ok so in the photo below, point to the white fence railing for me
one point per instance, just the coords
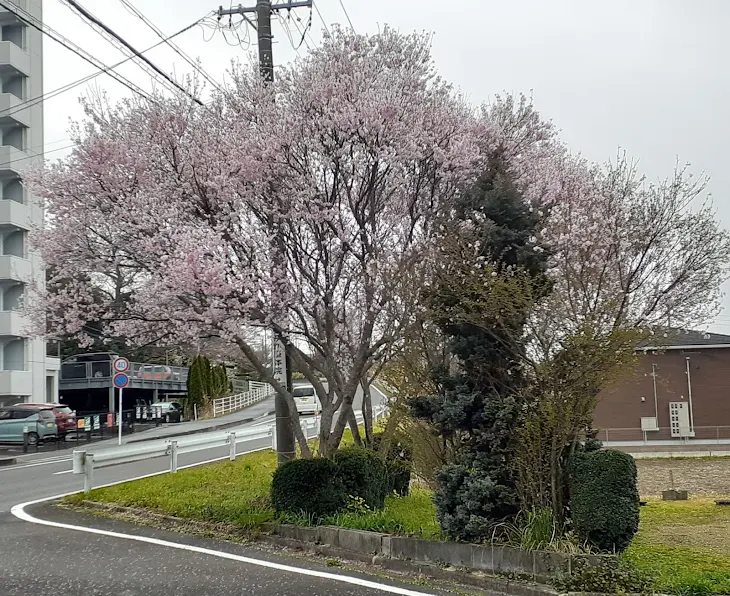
(257, 392)
(85, 462)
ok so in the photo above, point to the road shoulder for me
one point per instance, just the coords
(238, 546)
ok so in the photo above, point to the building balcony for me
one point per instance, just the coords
(16, 382)
(7, 17)
(15, 269)
(14, 59)
(10, 114)
(12, 161)
(13, 323)
(14, 215)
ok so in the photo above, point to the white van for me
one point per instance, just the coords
(306, 399)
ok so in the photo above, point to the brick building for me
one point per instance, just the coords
(678, 392)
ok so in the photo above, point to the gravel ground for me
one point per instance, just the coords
(701, 477)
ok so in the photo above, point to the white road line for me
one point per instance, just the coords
(40, 463)
(19, 512)
(269, 421)
(64, 472)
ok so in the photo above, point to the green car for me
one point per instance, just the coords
(41, 424)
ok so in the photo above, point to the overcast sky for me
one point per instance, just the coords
(650, 76)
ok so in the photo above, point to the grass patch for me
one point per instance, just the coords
(234, 492)
(686, 545)
(414, 515)
(237, 493)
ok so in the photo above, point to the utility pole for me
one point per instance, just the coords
(282, 369)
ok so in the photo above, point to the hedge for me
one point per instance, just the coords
(604, 499)
(308, 486)
(363, 475)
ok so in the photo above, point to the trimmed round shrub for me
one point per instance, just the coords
(308, 486)
(363, 474)
(604, 499)
(398, 463)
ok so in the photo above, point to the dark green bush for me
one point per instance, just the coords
(363, 474)
(612, 577)
(398, 463)
(604, 499)
(308, 486)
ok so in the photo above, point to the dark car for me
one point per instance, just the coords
(169, 411)
(65, 416)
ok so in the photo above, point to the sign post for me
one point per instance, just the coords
(121, 380)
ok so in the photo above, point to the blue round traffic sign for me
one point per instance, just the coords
(121, 380)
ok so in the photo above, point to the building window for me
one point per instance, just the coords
(13, 190)
(14, 33)
(13, 297)
(14, 355)
(15, 84)
(15, 137)
(14, 244)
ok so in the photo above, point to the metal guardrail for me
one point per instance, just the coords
(257, 392)
(85, 462)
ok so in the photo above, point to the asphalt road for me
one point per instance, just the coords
(47, 550)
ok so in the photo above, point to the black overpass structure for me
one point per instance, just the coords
(85, 383)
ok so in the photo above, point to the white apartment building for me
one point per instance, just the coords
(27, 374)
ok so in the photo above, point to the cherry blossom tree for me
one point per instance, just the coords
(304, 205)
(625, 252)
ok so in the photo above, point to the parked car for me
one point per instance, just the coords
(157, 372)
(306, 399)
(41, 423)
(65, 416)
(171, 411)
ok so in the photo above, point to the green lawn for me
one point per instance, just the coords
(235, 492)
(238, 493)
(686, 544)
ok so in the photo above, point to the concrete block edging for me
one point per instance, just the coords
(491, 559)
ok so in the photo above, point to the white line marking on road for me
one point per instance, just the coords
(64, 472)
(19, 512)
(40, 463)
(269, 421)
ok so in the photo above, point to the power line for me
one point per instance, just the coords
(129, 46)
(342, 4)
(35, 154)
(120, 47)
(168, 41)
(303, 40)
(29, 19)
(58, 91)
(326, 28)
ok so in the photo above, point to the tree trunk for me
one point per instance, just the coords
(367, 411)
(325, 428)
(352, 422)
(335, 437)
(266, 375)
